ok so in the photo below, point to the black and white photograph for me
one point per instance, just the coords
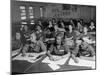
(52, 37)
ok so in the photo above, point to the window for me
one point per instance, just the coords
(41, 11)
(66, 6)
(23, 23)
(22, 7)
(23, 12)
(31, 13)
(32, 22)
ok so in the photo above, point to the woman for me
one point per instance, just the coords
(16, 44)
(70, 35)
(72, 22)
(92, 26)
(49, 32)
(35, 46)
(58, 49)
(87, 48)
(38, 29)
(70, 42)
(79, 27)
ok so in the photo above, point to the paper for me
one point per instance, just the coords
(15, 52)
(33, 60)
(82, 62)
(30, 57)
(53, 66)
(61, 50)
(59, 62)
(90, 41)
(88, 58)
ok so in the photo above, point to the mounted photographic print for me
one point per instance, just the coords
(52, 37)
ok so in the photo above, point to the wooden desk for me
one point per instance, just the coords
(39, 67)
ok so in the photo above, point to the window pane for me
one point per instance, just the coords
(23, 17)
(23, 11)
(22, 7)
(31, 17)
(23, 14)
(32, 22)
(31, 13)
(23, 22)
(30, 7)
(41, 12)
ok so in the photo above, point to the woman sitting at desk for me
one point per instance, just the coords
(70, 42)
(87, 43)
(58, 51)
(16, 44)
(49, 32)
(92, 27)
(35, 46)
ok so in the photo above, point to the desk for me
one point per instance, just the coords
(38, 67)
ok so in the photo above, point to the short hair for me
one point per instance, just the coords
(85, 26)
(59, 35)
(93, 22)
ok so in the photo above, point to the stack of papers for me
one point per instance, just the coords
(83, 62)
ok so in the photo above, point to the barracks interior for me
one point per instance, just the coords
(48, 37)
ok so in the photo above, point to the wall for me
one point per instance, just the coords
(52, 10)
(84, 12)
(15, 11)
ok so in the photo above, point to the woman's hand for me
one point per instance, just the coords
(51, 58)
(66, 55)
(56, 58)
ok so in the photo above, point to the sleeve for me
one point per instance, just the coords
(43, 47)
(91, 37)
(76, 50)
(66, 34)
(56, 51)
(25, 48)
(66, 48)
(80, 36)
(74, 35)
(51, 48)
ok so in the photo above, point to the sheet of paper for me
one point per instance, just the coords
(54, 66)
(30, 59)
(59, 62)
(90, 41)
(82, 62)
(33, 60)
(13, 53)
(89, 58)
